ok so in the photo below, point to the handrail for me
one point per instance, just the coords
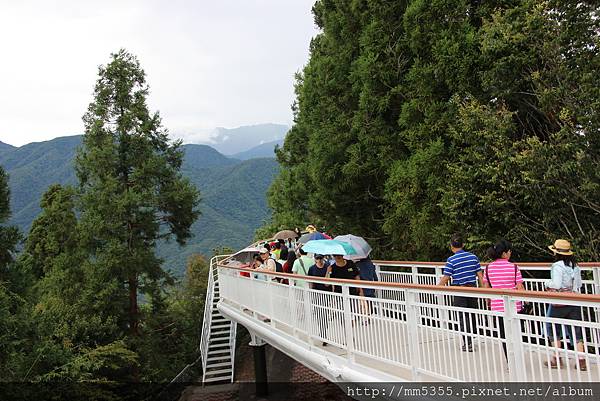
(453, 289)
(412, 330)
(591, 265)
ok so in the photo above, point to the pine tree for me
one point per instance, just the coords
(9, 236)
(132, 192)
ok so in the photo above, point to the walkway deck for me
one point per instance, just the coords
(410, 333)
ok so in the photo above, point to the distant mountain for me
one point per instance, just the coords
(4, 147)
(264, 150)
(236, 140)
(32, 168)
(233, 192)
(233, 206)
(204, 156)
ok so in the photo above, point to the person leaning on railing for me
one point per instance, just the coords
(268, 263)
(565, 277)
(464, 269)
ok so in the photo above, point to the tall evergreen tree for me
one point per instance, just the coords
(12, 322)
(132, 192)
(9, 236)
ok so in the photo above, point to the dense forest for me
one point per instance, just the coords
(415, 119)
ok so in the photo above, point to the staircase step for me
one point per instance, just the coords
(219, 339)
(219, 358)
(218, 379)
(223, 352)
(218, 372)
(214, 346)
(218, 365)
(220, 333)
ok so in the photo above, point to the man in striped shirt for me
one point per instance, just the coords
(464, 269)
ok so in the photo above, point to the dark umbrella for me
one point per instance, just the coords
(285, 234)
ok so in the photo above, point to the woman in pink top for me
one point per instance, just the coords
(502, 274)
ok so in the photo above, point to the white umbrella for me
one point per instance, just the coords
(362, 247)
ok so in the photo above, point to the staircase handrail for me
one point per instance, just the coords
(206, 321)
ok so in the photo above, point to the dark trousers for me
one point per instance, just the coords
(321, 313)
(467, 321)
(502, 334)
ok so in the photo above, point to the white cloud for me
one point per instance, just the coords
(209, 64)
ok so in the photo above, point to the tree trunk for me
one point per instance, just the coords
(133, 319)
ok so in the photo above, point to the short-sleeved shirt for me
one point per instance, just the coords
(301, 268)
(463, 267)
(319, 272)
(349, 272)
(368, 272)
(504, 275)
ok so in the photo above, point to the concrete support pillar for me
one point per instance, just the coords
(260, 366)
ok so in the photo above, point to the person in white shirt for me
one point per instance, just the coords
(565, 277)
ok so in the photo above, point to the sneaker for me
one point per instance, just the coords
(581, 365)
(467, 348)
(267, 320)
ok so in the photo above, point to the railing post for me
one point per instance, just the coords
(514, 341)
(378, 273)
(596, 277)
(293, 308)
(271, 301)
(415, 271)
(348, 322)
(308, 314)
(441, 300)
(412, 320)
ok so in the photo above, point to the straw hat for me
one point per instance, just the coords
(310, 228)
(561, 246)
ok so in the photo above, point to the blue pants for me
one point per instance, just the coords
(557, 331)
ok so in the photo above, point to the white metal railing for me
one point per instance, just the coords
(208, 309)
(414, 330)
(430, 273)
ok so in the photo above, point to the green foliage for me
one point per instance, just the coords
(92, 364)
(174, 324)
(9, 236)
(415, 119)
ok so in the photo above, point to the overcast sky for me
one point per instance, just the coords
(209, 64)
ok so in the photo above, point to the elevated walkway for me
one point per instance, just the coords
(410, 332)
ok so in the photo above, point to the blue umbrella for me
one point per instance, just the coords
(311, 237)
(329, 247)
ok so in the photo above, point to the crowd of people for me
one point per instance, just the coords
(463, 269)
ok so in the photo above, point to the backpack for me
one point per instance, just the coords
(278, 267)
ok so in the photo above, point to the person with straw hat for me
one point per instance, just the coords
(565, 277)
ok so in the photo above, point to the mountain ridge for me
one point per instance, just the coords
(263, 150)
(232, 191)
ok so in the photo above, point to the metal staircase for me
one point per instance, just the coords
(217, 343)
